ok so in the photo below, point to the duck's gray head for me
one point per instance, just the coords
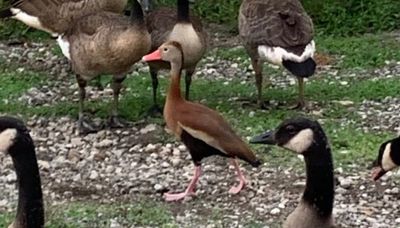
(295, 134)
(388, 158)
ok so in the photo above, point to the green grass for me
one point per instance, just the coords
(367, 51)
(75, 215)
(352, 148)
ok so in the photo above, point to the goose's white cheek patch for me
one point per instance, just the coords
(7, 139)
(300, 142)
(387, 162)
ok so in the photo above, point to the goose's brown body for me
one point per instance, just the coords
(106, 43)
(56, 16)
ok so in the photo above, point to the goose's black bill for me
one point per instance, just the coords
(265, 138)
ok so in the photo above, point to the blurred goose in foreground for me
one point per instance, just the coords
(306, 137)
(16, 141)
(280, 32)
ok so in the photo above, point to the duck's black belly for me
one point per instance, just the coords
(199, 149)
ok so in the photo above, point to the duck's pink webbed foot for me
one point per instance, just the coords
(177, 196)
(243, 181)
(189, 190)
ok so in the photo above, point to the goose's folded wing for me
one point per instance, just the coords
(275, 23)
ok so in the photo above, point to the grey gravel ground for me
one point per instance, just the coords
(121, 165)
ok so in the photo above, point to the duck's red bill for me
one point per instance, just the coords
(155, 55)
(377, 173)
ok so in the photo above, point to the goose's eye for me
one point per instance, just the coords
(291, 129)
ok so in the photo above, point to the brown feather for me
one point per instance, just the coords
(161, 22)
(213, 124)
(106, 43)
(58, 15)
(275, 23)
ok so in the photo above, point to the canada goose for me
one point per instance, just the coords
(166, 24)
(280, 32)
(201, 129)
(16, 141)
(105, 43)
(307, 137)
(56, 16)
(388, 158)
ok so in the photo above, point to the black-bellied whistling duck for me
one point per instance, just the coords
(105, 43)
(201, 129)
(16, 141)
(306, 137)
(280, 32)
(388, 158)
(56, 16)
(167, 24)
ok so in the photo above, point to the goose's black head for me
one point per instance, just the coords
(14, 136)
(388, 158)
(296, 134)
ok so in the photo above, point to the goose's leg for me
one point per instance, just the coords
(155, 109)
(258, 68)
(301, 102)
(243, 181)
(85, 127)
(189, 190)
(115, 121)
(188, 82)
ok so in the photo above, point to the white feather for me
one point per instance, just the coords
(29, 20)
(300, 142)
(276, 55)
(7, 139)
(64, 45)
(387, 162)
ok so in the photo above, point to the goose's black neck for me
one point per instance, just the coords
(30, 212)
(319, 192)
(137, 15)
(183, 11)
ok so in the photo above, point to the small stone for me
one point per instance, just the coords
(93, 175)
(148, 128)
(158, 187)
(275, 211)
(150, 148)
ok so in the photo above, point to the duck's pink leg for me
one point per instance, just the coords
(243, 181)
(189, 190)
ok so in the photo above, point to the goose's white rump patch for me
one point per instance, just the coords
(64, 45)
(7, 139)
(387, 162)
(300, 142)
(276, 55)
